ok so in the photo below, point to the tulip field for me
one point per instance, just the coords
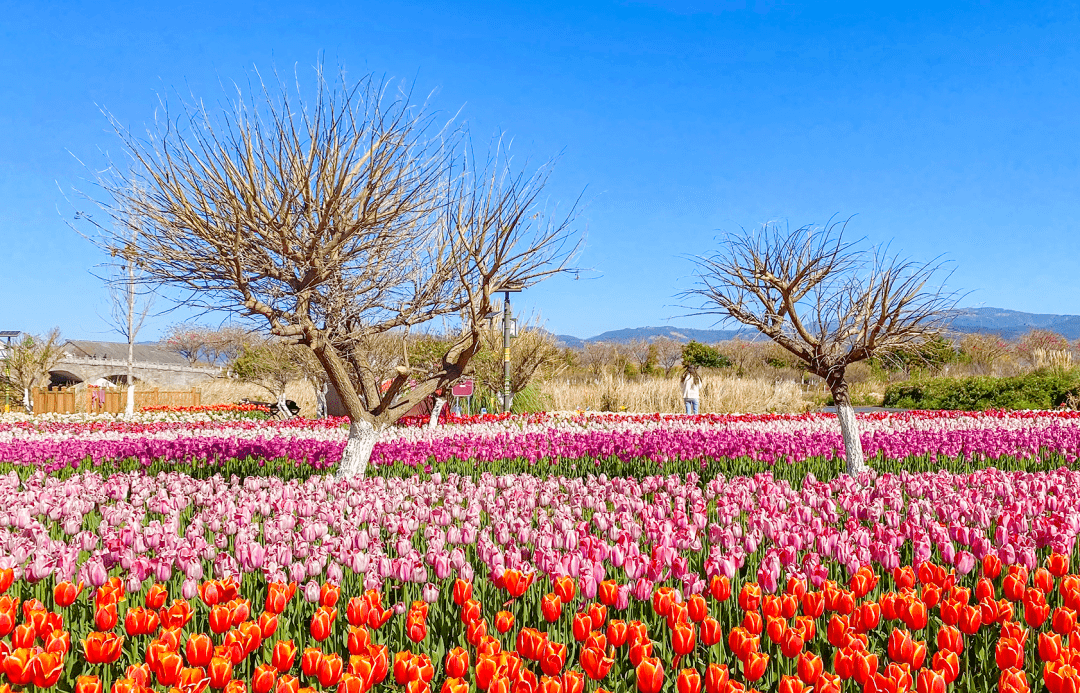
(543, 553)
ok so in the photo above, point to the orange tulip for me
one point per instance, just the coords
(595, 663)
(102, 648)
(755, 665)
(650, 675)
(1049, 647)
(750, 597)
(504, 621)
(329, 669)
(46, 669)
(329, 594)
(309, 660)
(476, 631)
(617, 632)
(1009, 653)
(564, 587)
(1013, 681)
(552, 658)
(813, 604)
(640, 651)
(688, 681)
(1063, 620)
(551, 607)
(283, 656)
(947, 664)
(88, 683)
(683, 638)
(462, 591)
(791, 645)
(608, 592)
(809, 668)
(264, 679)
(220, 672)
(711, 631)
(791, 684)
(516, 582)
(970, 620)
(1057, 564)
(470, 610)
(930, 681)
(322, 623)
(457, 662)
(716, 678)
(720, 588)
(597, 614)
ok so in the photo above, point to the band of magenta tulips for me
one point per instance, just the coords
(766, 439)
(517, 583)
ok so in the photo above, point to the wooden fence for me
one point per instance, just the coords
(99, 400)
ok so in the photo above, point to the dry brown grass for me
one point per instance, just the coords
(720, 393)
(227, 391)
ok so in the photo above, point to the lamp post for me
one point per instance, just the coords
(7, 335)
(508, 396)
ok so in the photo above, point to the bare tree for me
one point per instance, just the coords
(668, 354)
(202, 344)
(824, 300)
(984, 350)
(338, 219)
(28, 362)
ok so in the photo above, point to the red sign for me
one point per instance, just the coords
(464, 389)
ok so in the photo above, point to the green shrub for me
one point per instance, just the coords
(1037, 390)
(703, 356)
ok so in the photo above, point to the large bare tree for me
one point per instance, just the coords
(826, 300)
(338, 218)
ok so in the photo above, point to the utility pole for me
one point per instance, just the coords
(508, 396)
(8, 335)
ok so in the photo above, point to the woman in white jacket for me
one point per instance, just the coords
(691, 389)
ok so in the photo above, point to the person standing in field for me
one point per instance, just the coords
(691, 389)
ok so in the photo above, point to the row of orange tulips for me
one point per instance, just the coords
(923, 629)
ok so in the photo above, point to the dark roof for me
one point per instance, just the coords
(117, 351)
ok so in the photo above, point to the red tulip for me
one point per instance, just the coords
(608, 592)
(1057, 564)
(711, 631)
(1050, 647)
(552, 658)
(88, 683)
(617, 631)
(1009, 653)
(930, 681)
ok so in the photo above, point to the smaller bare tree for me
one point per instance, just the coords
(533, 353)
(668, 354)
(272, 364)
(28, 362)
(129, 304)
(826, 301)
(984, 351)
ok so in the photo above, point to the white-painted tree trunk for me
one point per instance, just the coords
(320, 400)
(435, 411)
(354, 459)
(283, 410)
(129, 407)
(849, 428)
(28, 403)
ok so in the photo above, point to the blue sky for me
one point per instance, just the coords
(947, 128)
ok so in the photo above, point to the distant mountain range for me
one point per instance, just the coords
(1006, 323)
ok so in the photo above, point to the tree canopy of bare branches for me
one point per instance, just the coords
(825, 300)
(335, 219)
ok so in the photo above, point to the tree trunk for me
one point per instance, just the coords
(320, 400)
(354, 459)
(849, 428)
(129, 408)
(282, 407)
(435, 411)
(28, 404)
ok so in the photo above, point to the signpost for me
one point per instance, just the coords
(508, 396)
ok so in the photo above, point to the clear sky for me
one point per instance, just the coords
(946, 127)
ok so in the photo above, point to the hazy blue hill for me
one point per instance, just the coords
(1010, 324)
